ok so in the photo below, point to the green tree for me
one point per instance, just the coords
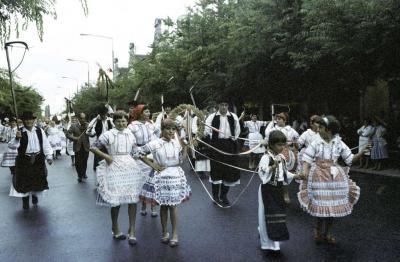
(16, 15)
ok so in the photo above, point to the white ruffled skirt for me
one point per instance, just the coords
(119, 183)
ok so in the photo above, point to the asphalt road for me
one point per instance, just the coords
(68, 226)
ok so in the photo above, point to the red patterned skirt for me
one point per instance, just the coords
(328, 191)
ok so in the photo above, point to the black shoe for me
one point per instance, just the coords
(35, 200)
(85, 177)
(80, 180)
(25, 203)
(215, 194)
(224, 197)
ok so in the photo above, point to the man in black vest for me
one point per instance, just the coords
(30, 168)
(222, 177)
(81, 145)
(98, 126)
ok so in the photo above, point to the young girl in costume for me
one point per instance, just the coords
(170, 186)
(255, 137)
(328, 192)
(291, 148)
(119, 176)
(271, 204)
(306, 138)
(144, 131)
(12, 152)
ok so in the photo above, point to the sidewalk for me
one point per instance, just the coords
(385, 172)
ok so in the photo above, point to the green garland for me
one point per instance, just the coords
(201, 118)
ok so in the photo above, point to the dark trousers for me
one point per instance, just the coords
(81, 158)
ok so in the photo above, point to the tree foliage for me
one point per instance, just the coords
(323, 52)
(17, 14)
(27, 98)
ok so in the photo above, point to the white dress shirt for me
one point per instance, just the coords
(33, 143)
(225, 131)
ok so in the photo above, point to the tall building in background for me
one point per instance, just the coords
(47, 111)
(157, 29)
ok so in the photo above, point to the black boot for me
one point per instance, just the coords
(25, 202)
(35, 200)
(224, 197)
(215, 193)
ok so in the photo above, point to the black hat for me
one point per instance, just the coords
(26, 115)
(223, 99)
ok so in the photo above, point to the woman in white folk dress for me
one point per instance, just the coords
(12, 152)
(144, 131)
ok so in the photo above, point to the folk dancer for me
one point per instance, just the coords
(306, 138)
(254, 126)
(99, 125)
(144, 131)
(119, 176)
(271, 204)
(291, 149)
(30, 165)
(327, 191)
(12, 152)
(223, 177)
(170, 187)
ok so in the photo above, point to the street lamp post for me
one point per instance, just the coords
(112, 47)
(76, 80)
(82, 61)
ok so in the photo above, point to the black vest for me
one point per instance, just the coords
(24, 142)
(99, 127)
(216, 122)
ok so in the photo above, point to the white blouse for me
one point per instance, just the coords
(165, 153)
(307, 137)
(265, 171)
(254, 126)
(144, 132)
(117, 142)
(328, 151)
(291, 135)
(366, 131)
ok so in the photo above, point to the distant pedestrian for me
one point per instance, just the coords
(365, 134)
(30, 168)
(379, 151)
(81, 145)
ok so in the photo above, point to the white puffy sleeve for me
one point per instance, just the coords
(264, 169)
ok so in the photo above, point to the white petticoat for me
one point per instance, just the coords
(171, 187)
(120, 182)
(255, 140)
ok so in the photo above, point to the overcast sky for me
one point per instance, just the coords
(124, 20)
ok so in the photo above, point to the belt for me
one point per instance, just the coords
(32, 154)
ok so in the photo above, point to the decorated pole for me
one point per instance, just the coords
(10, 72)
